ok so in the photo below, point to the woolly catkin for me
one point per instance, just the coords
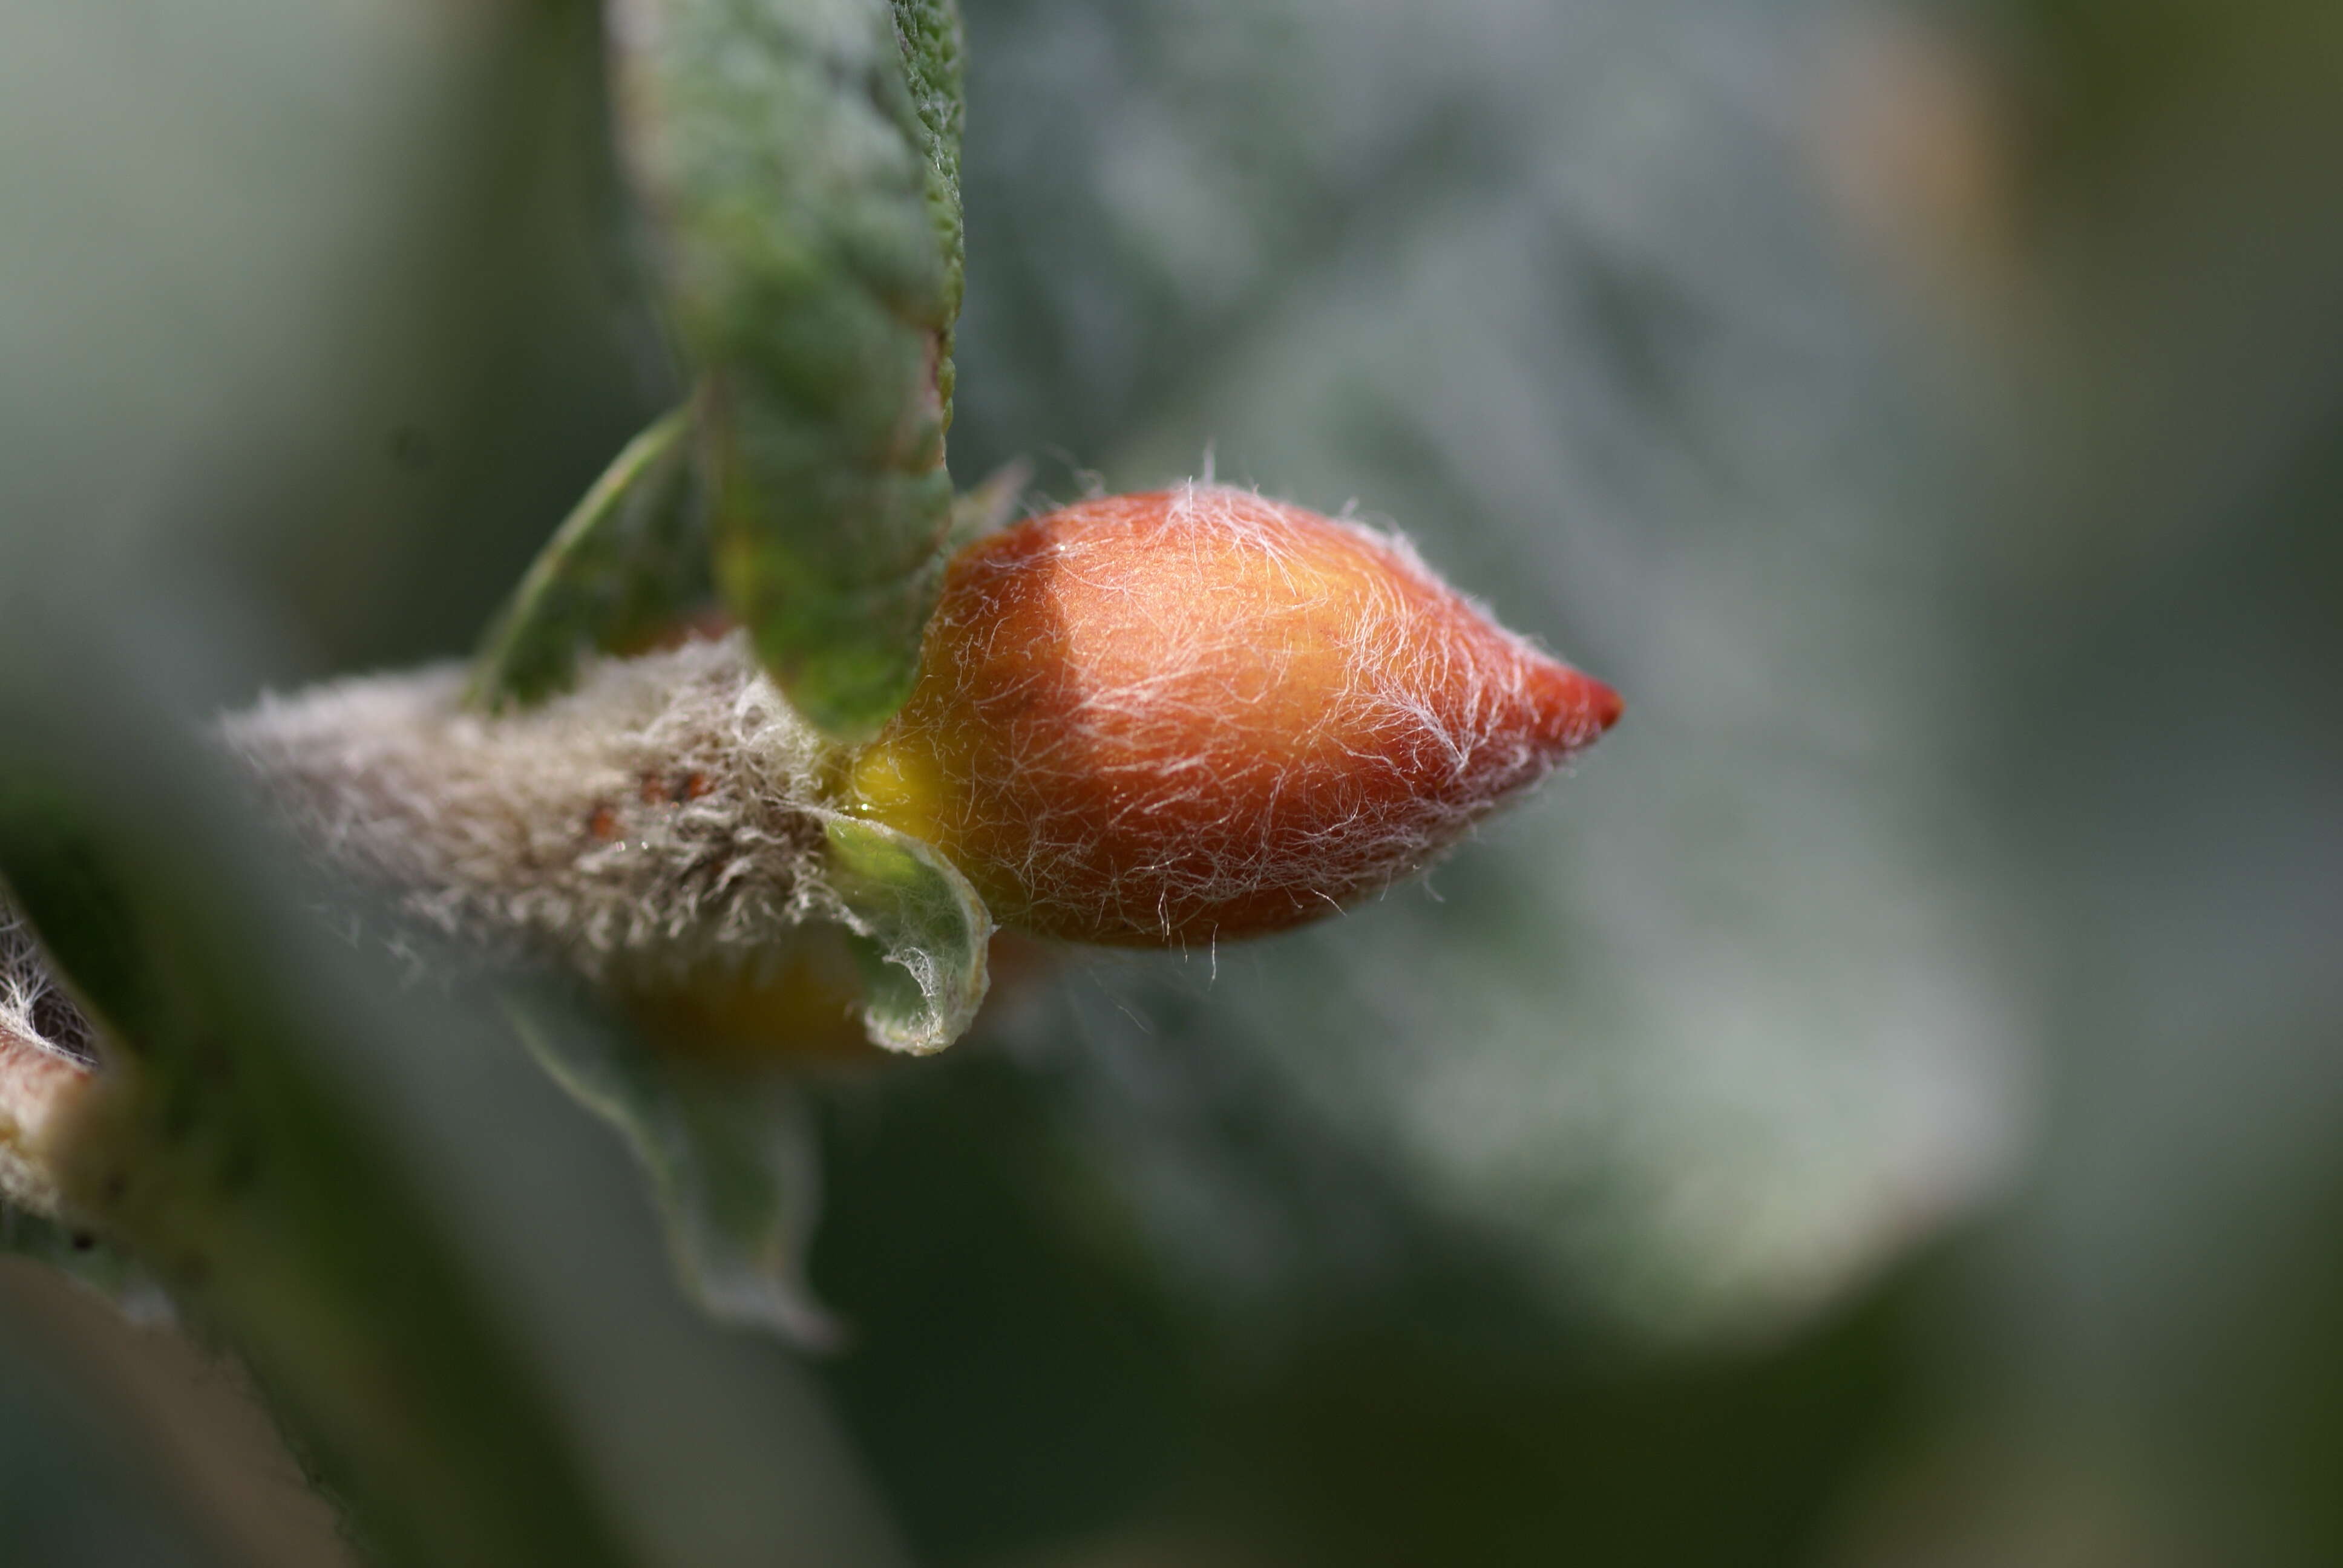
(659, 819)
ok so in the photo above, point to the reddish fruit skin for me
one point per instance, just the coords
(1195, 714)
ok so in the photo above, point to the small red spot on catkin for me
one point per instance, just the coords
(653, 790)
(1195, 713)
(695, 786)
(603, 824)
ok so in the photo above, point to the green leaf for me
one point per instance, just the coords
(924, 934)
(799, 163)
(733, 1156)
(630, 558)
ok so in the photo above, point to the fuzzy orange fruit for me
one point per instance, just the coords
(1193, 714)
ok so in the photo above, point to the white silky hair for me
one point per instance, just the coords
(43, 1041)
(35, 1013)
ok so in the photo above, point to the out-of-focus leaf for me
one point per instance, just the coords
(431, 1266)
(924, 933)
(734, 1160)
(631, 558)
(798, 161)
(108, 1270)
(79, 1488)
(214, 1152)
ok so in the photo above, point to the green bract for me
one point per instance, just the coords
(923, 932)
(631, 558)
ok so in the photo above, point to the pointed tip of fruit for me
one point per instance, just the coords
(1573, 710)
(1604, 703)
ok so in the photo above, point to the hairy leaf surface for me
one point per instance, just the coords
(799, 164)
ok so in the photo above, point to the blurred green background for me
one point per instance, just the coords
(1879, 1112)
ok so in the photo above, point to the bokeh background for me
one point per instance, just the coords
(1879, 1112)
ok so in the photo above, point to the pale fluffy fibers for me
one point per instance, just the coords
(658, 818)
